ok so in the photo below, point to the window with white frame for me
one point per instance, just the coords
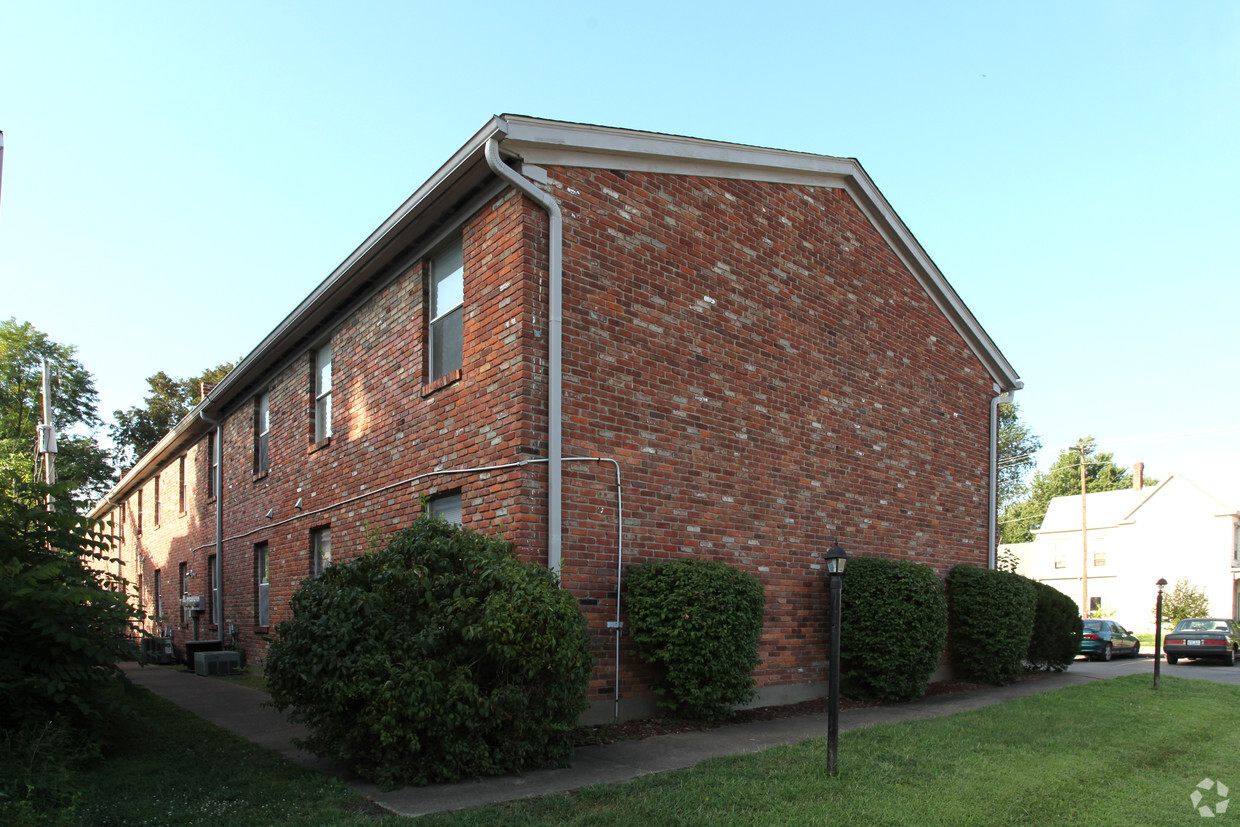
(320, 549)
(446, 284)
(262, 432)
(213, 464)
(262, 598)
(323, 393)
(213, 592)
(447, 506)
(183, 588)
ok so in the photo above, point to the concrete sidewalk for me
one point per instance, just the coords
(241, 710)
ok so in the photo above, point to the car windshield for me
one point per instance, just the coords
(1093, 625)
(1200, 625)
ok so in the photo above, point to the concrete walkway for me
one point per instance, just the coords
(241, 710)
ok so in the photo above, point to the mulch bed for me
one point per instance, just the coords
(666, 725)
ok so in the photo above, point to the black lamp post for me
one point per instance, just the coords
(835, 559)
(1162, 582)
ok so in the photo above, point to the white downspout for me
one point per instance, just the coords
(219, 519)
(993, 544)
(555, 336)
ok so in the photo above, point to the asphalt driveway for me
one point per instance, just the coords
(1209, 670)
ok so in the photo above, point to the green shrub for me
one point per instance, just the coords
(990, 622)
(65, 623)
(893, 628)
(1056, 638)
(698, 622)
(438, 657)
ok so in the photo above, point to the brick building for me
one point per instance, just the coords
(611, 346)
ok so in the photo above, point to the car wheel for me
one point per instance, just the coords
(1230, 659)
(1172, 659)
(1106, 654)
(1136, 650)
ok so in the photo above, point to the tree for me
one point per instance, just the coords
(1017, 446)
(1184, 601)
(1021, 518)
(81, 463)
(66, 623)
(139, 429)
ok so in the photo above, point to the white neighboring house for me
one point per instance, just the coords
(1172, 530)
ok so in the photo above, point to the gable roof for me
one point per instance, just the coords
(465, 181)
(1105, 509)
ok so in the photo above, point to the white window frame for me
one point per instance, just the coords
(446, 289)
(447, 506)
(262, 432)
(320, 548)
(323, 392)
(263, 586)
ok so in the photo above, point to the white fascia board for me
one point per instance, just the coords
(550, 143)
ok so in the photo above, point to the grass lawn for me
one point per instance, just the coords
(1110, 752)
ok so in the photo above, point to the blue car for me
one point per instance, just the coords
(1105, 639)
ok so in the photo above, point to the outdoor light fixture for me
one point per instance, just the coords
(836, 558)
(1162, 583)
(271, 512)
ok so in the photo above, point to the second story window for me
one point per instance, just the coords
(447, 297)
(323, 393)
(181, 485)
(156, 499)
(213, 464)
(262, 433)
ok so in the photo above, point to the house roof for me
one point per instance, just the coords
(1104, 509)
(529, 144)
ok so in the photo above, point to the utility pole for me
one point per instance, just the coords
(47, 433)
(1081, 447)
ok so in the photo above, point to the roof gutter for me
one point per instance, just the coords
(554, 346)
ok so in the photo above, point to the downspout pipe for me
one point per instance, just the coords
(219, 518)
(555, 378)
(993, 557)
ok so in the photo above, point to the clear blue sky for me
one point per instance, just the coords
(178, 176)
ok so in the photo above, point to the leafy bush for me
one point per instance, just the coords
(893, 628)
(1183, 601)
(1056, 638)
(698, 622)
(65, 627)
(438, 657)
(990, 622)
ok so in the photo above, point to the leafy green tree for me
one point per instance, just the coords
(139, 429)
(1017, 446)
(81, 463)
(66, 623)
(1184, 601)
(1020, 519)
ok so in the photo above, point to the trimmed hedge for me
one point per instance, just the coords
(990, 621)
(893, 628)
(1057, 628)
(698, 622)
(439, 657)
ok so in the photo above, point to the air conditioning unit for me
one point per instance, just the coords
(217, 663)
(193, 603)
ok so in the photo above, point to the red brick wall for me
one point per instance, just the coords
(771, 378)
(765, 371)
